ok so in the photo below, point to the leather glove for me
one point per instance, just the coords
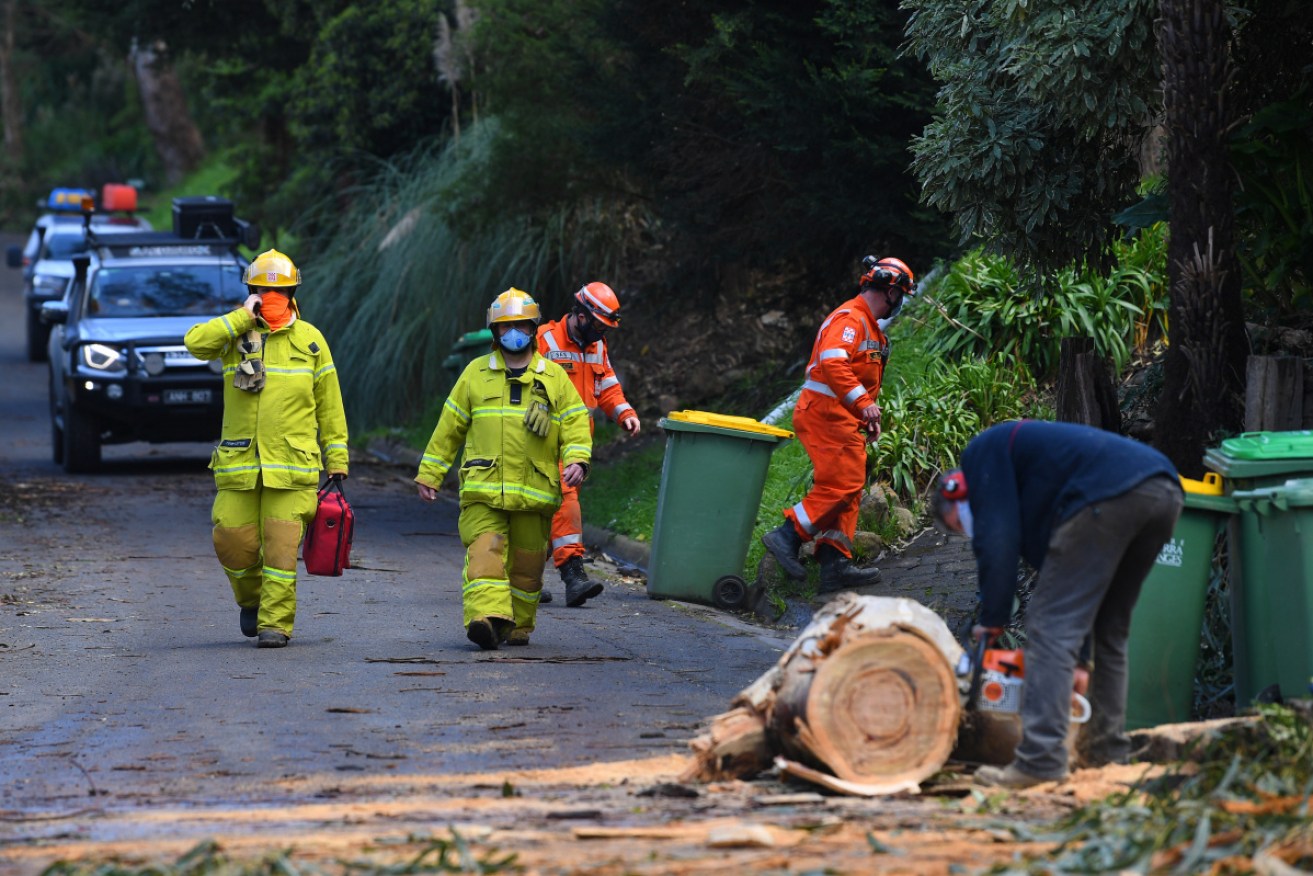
(538, 419)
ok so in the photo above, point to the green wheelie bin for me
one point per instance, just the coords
(467, 348)
(1280, 540)
(711, 483)
(1163, 649)
(1256, 461)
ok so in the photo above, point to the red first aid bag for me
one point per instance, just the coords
(327, 546)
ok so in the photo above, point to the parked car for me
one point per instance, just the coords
(51, 272)
(46, 264)
(118, 368)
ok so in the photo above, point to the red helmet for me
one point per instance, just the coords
(887, 272)
(601, 302)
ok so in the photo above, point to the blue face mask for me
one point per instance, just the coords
(515, 340)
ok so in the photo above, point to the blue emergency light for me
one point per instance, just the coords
(67, 200)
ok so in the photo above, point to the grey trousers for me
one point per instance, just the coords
(1090, 581)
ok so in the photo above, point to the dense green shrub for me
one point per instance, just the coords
(989, 309)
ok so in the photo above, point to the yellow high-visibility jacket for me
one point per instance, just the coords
(275, 435)
(505, 465)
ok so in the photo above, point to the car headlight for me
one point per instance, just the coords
(49, 285)
(103, 358)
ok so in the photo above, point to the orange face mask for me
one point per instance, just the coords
(275, 309)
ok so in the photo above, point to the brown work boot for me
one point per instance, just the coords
(1009, 777)
(518, 636)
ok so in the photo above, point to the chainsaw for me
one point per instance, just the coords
(998, 677)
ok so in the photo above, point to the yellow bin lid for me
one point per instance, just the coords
(1211, 485)
(726, 421)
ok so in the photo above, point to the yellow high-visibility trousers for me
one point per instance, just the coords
(257, 538)
(505, 552)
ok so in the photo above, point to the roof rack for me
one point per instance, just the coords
(146, 244)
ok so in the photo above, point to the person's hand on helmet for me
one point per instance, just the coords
(573, 475)
(631, 425)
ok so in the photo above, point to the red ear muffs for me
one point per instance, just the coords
(953, 486)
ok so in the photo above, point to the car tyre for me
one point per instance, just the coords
(38, 335)
(56, 433)
(81, 442)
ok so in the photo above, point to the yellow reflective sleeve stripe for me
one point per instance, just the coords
(232, 333)
(457, 409)
(324, 370)
(442, 464)
(570, 412)
(289, 371)
(577, 448)
(335, 447)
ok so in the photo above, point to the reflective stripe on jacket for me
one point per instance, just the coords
(589, 369)
(291, 430)
(505, 465)
(848, 358)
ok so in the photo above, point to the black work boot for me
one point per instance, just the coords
(272, 639)
(578, 588)
(783, 542)
(545, 596)
(839, 573)
(249, 618)
(482, 633)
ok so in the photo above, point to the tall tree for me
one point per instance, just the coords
(1203, 379)
(177, 139)
(11, 99)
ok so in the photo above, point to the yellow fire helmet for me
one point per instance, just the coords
(514, 305)
(272, 270)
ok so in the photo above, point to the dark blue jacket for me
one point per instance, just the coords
(1026, 477)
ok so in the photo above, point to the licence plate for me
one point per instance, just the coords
(186, 396)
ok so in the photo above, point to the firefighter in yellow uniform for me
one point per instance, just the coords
(525, 432)
(283, 423)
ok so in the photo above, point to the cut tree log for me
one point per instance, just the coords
(867, 692)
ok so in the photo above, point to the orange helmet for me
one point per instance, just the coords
(887, 272)
(601, 302)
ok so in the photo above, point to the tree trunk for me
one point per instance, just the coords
(866, 694)
(1203, 376)
(1085, 389)
(11, 101)
(177, 140)
(1274, 394)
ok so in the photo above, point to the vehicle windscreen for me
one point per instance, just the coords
(182, 290)
(63, 246)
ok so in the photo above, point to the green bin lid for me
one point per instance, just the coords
(1267, 446)
(1262, 454)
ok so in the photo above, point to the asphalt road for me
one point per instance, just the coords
(124, 680)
